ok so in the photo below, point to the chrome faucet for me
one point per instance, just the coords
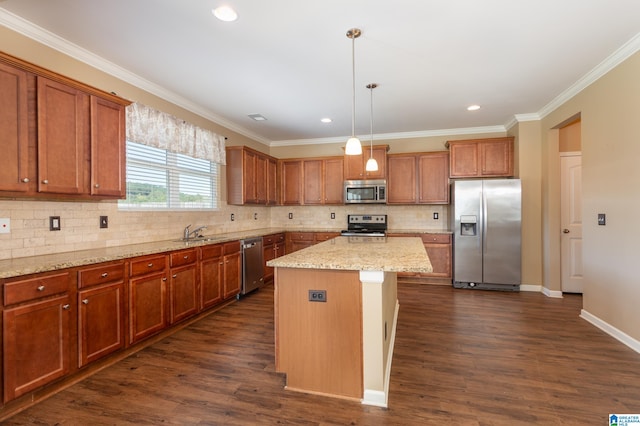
(187, 234)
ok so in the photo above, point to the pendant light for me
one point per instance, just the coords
(372, 164)
(353, 144)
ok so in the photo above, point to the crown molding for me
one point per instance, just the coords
(612, 61)
(64, 46)
(390, 136)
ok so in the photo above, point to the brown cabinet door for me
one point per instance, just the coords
(183, 293)
(14, 173)
(433, 184)
(100, 321)
(440, 256)
(107, 148)
(62, 138)
(496, 157)
(231, 275)
(333, 181)
(464, 159)
(312, 180)
(36, 345)
(401, 182)
(272, 187)
(211, 274)
(261, 179)
(249, 176)
(291, 174)
(147, 306)
(353, 167)
(268, 254)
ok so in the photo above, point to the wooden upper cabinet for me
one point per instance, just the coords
(62, 135)
(107, 148)
(481, 158)
(418, 178)
(14, 138)
(313, 181)
(433, 178)
(322, 181)
(354, 165)
(333, 181)
(402, 178)
(291, 182)
(251, 177)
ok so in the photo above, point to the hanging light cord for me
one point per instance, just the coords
(371, 87)
(353, 85)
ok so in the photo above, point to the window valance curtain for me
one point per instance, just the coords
(155, 128)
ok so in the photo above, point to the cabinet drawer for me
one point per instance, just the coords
(268, 240)
(210, 252)
(324, 236)
(302, 236)
(100, 275)
(148, 265)
(35, 288)
(183, 257)
(232, 247)
(436, 238)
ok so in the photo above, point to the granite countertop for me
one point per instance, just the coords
(44, 263)
(391, 254)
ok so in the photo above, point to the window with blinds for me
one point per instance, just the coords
(161, 180)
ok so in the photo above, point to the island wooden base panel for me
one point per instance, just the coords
(463, 357)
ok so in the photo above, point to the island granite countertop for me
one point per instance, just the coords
(389, 254)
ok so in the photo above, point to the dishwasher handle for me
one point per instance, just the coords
(248, 245)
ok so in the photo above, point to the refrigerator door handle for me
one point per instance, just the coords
(483, 221)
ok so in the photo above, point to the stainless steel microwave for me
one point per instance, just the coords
(365, 191)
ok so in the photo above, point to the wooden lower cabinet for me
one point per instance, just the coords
(211, 275)
(147, 297)
(272, 246)
(231, 270)
(438, 247)
(36, 332)
(298, 240)
(183, 285)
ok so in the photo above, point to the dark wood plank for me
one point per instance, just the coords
(462, 357)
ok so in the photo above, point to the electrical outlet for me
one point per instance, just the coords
(233, 217)
(290, 215)
(54, 223)
(5, 225)
(104, 221)
(255, 216)
(602, 219)
(317, 295)
(435, 216)
(333, 215)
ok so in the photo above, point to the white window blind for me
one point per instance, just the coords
(159, 179)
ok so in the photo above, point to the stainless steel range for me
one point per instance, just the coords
(366, 225)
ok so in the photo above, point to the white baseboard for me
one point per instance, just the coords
(531, 287)
(611, 330)
(551, 293)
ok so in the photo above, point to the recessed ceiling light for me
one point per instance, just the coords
(473, 107)
(326, 120)
(225, 13)
(257, 117)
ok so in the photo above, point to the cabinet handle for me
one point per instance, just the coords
(104, 275)
(97, 185)
(174, 276)
(25, 180)
(66, 307)
(150, 265)
(164, 278)
(46, 181)
(85, 301)
(186, 257)
(40, 288)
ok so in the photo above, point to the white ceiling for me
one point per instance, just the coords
(290, 60)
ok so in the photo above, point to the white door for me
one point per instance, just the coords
(571, 221)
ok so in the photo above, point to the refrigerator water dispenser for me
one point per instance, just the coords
(468, 225)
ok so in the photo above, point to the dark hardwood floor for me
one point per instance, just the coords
(462, 357)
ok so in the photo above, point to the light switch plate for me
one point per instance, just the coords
(602, 219)
(5, 225)
(54, 223)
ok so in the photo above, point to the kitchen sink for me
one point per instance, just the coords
(202, 239)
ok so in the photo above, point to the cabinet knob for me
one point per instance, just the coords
(220, 263)
(565, 231)
(85, 301)
(174, 276)
(150, 265)
(97, 185)
(46, 181)
(164, 278)
(66, 307)
(104, 274)
(25, 180)
(186, 257)
(40, 288)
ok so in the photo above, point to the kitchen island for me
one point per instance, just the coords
(336, 309)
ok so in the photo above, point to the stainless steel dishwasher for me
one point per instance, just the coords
(252, 264)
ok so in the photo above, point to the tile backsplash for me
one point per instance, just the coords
(30, 234)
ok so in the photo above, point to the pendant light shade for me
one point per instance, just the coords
(353, 144)
(372, 164)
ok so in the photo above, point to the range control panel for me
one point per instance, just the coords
(363, 219)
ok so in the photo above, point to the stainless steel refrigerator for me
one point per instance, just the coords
(485, 219)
